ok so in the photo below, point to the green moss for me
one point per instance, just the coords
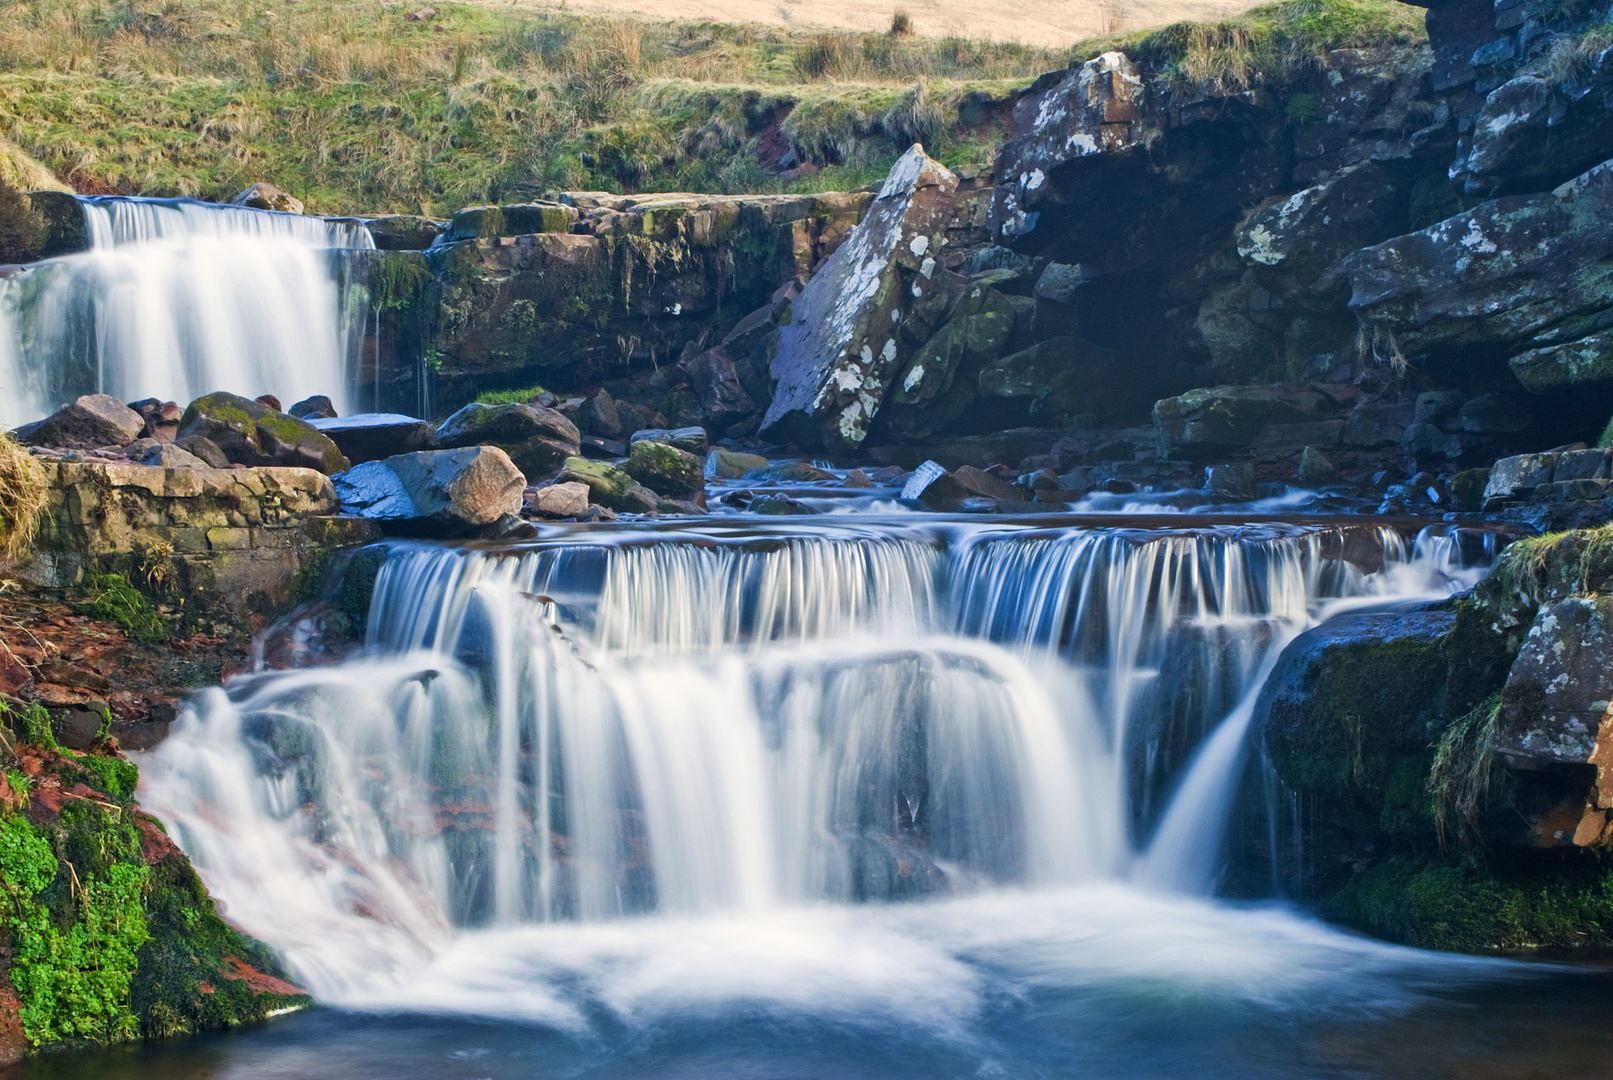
(30, 724)
(510, 397)
(110, 596)
(112, 775)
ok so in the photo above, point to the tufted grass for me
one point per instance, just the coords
(23, 489)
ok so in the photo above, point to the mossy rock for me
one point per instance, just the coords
(609, 486)
(665, 469)
(251, 433)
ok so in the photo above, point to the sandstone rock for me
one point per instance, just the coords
(679, 506)
(665, 469)
(1554, 708)
(204, 449)
(603, 418)
(609, 486)
(1517, 477)
(537, 439)
(856, 478)
(853, 325)
(514, 220)
(269, 400)
(251, 433)
(161, 419)
(559, 500)
(403, 232)
(318, 405)
(264, 196)
(90, 422)
(373, 436)
(724, 464)
(984, 484)
(692, 439)
(170, 456)
(723, 400)
(1514, 269)
(1589, 360)
(434, 492)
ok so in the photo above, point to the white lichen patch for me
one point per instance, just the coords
(919, 245)
(1476, 241)
(927, 268)
(914, 377)
(888, 353)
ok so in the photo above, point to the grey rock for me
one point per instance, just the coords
(265, 196)
(1586, 361)
(434, 492)
(1517, 477)
(537, 439)
(692, 439)
(723, 400)
(206, 449)
(90, 422)
(170, 456)
(373, 436)
(603, 418)
(1231, 483)
(1060, 281)
(725, 464)
(1581, 465)
(318, 404)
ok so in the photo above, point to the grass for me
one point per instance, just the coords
(23, 489)
(354, 108)
(1460, 776)
(510, 397)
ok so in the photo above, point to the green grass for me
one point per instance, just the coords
(509, 397)
(355, 109)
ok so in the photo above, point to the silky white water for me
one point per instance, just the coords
(178, 298)
(685, 744)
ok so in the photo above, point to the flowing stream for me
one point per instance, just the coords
(873, 799)
(177, 298)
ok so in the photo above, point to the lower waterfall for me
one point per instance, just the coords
(175, 299)
(552, 745)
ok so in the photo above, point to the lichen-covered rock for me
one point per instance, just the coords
(434, 492)
(1517, 477)
(251, 433)
(665, 469)
(855, 323)
(1519, 269)
(1586, 361)
(372, 436)
(692, 439)
(942, 379)
(266, 196)
(1229, 417)
(537, 439)
(609, 486)
(1305, 233)
(90, 422)
(725, 464)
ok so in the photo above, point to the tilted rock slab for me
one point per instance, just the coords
(845, 338)
(1524, 269)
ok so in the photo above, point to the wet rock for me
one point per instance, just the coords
(592, 446)
(942, 379)
(778, 505)
(692, 439)
(1516, 269)
(1315, 468)
(558, 500)
(665, 469)
(537, 439)
(1586, 361)
(679, 506)
(791, 472)
(403, 232)
(265, 196)
(373, 436)
(318, 406)
(856, 478)
(434, 492)
(1517, 477)
(603, 418)
(251, 433)
(977, 482)
(90, 422)
(723, 400)
(1230, 483)
(609, 486)
(854, 324)
(725, 464)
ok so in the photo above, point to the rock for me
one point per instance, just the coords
(318, 404)
(978, 482)
(263, 196)
(403, 232)
(609, 486)
(724, 464)
(1304, 234)
(1229, 417)
(1059, 282)
(204, 449)
(596, 512)
(1060, 378)
(856, 478)
(1467, 490)
(791, 472)
(603, 419)
(1554, 708)
(538, 439)
(1517, 477)
(161, 419)
(778, 505)
(943, 377)
(170, 456)
(434, 492)
(1511, 124)
(251, 433)
(521, 219)
(1492, 414)
(854, 324)
(665, 469)
(269, 400)
(1586, 361)
(559, 500)
(90, 422)
(1581, 465)
(1231, 483)
(692, 439)
(723, 400)
(679, 506)
(592, 446)
(1515, 269)
(1314, 468)
(373, 436)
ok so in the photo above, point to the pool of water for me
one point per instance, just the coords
(1101, 982)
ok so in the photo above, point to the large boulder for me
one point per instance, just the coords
(538, 439)
(714, 380)
(251, 433)
(434, 492)
(1589, 360)
(373, 436)
(861, 316)
(665, 469)
(90, 422)
(1220, 418)
(1524, 269)
(609, 486)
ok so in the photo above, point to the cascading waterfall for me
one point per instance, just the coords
(177, 298)
(691, 727)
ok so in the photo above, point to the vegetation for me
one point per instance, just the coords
(509, 397)
(22, 488)
(110, 596)
(356, 107)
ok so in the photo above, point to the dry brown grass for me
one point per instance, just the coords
(22, 497)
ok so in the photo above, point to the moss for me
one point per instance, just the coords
(110, 596)
(510, 397)
(1470, 906)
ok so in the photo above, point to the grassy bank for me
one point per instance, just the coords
(357, 106)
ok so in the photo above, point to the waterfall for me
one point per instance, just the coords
(694, 725)
(177, 298)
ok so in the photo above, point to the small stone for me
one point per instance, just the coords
(1314, 468)
(319, 404)
(725, 464)
(856, 478)
(559, 500)
(170, 456)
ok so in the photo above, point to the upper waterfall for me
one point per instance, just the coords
(178, 298)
